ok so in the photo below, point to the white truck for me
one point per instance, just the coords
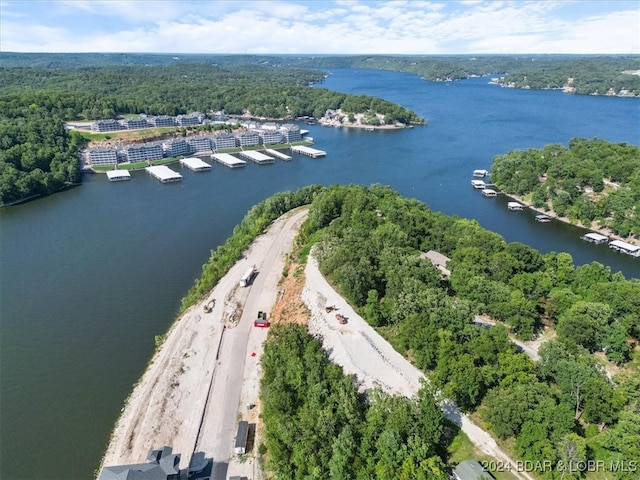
(247, 278)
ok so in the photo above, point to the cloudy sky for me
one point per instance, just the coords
(318, 26)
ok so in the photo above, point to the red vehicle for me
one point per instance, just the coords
(261, 321)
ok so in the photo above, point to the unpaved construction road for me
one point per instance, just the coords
(199, 383)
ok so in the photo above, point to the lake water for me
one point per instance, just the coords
(89, 276)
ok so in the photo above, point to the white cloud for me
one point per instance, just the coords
(342, 27)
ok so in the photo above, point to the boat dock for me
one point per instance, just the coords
(480, 173)
(195, 164)
(308, 151)
(118, 175)
(164, 173)
(228, 160)
(543, 218)
(278, 154)
(594, 238)
(487, 192)
(479, 184)
(257, 157)
(514, 206)
(624, 247)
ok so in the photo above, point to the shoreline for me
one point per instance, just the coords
(552, 214)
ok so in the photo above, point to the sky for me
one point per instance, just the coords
(398, 27)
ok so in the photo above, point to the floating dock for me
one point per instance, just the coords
(195, 164)
(479, 184)
(514, 206)
(308, 151)
(624, 247)
(278, 154)
(487, 192)
(164, 173)
(118, 175)
(228, 160)
(594, 238)
(480, 173)
(543, 218)
(257, 157)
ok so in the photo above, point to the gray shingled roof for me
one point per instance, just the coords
(471, 470)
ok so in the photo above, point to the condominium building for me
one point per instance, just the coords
(291, 133)
(248, 139)
(135, 123)
(109, 125)
(175, 147)
(143, 153)
(199, 144)
(102, 156)
(271, 136)
(224, 140)
(191, 119)
(162, 121)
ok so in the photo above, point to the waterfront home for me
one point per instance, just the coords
(471, 470)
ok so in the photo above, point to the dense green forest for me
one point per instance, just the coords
(38, 156)
(590, 73)
(592, 180)
(318, 426)
(566, 407)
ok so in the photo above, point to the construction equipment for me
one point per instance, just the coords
(208, 308)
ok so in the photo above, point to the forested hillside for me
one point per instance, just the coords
(566, 407)
(589, 73)
(592, 180)
(37, 156)
(317, 425)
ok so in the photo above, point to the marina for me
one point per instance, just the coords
(257, 157)
(164, 174)
(308, 151)
(595, 238)
(228, 160)
(514, 206)
(479, 184)
(118, 175)
(195, 164)
(278, 154)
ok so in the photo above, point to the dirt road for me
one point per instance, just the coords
(189, 396)
(359, 349)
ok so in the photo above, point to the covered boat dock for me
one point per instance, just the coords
(595, 238)
(164, 173)
(488, 192)
(228, 160)
(624, 247)
(257, 157)
(278, 154)
(514, 206)
(118, 175)
(195, 164)
(308, 151)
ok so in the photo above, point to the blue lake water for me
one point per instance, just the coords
(89, 276)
